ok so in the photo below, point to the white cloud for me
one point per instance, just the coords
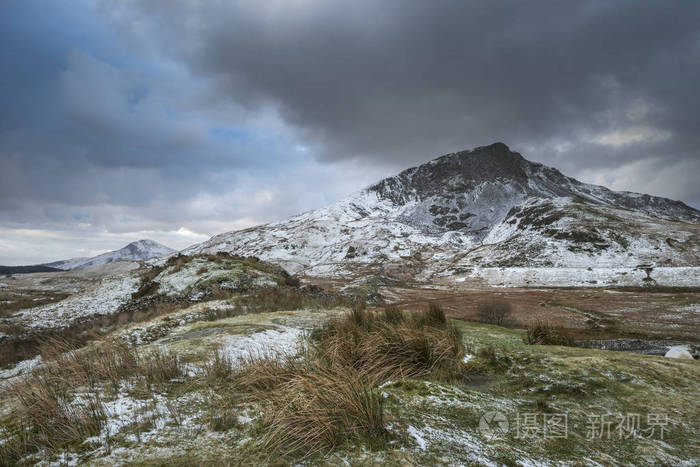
(631, 135)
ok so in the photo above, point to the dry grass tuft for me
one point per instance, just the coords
(15, 300)
(219, 369)
(544, 333)
(260, 374)
(434, 316)
(13, 329)
(321, 408)
(46, 417)
(313, 404)
(392, 314)
(392, 344)
(50, 414)
(160, 367)
(289, 298)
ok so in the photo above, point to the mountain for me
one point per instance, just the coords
(135, 251)
(486, 207)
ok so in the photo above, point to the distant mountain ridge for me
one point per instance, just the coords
(135, 251)
(488, 207)
(26, 269)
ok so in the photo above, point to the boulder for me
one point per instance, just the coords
(678, 352)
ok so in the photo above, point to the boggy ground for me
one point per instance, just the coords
(183, 417)
(589, 313)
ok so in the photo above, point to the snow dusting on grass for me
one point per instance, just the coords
(20, 368)
(103, 300)
(418, 436)
(273, 342)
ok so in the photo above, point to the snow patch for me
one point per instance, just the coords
(273, 342)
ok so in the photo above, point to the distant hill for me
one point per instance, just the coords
(135, 251)
(27, 269)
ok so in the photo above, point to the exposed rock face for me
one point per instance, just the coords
(487, 207)
(472, 190)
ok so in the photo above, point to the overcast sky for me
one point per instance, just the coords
(177, 120)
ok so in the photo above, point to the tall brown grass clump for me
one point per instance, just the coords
(392, 344)
(47, 413)
(392, 314)
(259, 374)
(544, 333)
(159, 367)
(313, 404)
(46, 417)
(434, 316)
(320, 408)
(219, 368)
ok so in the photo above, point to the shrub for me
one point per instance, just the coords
(148, 286)
(544, 333)
(494, 311)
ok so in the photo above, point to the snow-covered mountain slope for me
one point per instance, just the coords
(135, 251)
(487, 207)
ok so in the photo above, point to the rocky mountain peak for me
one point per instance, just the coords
(488, 206)
(484, 182)
(457, 172)
(144, 245)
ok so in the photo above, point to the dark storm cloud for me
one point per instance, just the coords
(120, 119)
(581, 85)
(100, 138)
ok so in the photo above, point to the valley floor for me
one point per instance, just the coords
(588, 312)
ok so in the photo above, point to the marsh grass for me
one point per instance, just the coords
(326, 394)
(321, 397)
(392, 344)
(47, 417)
(544, 333)
(60, 403)
(271, 299)
(321, 408)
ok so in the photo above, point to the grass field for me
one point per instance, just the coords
(177, 404)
